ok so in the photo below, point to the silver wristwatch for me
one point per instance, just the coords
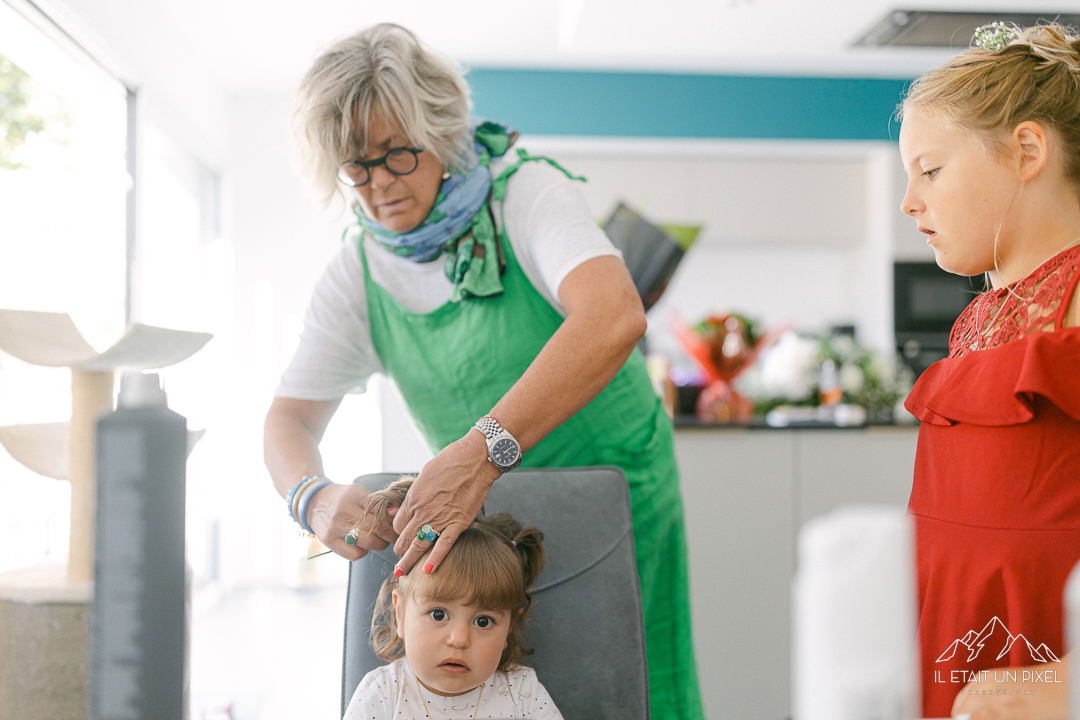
(504, 451)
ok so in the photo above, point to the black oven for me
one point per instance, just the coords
(926, 302)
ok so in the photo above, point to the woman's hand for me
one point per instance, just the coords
(336, 509)
(1040, 692)
(447, 494)
(291, 450)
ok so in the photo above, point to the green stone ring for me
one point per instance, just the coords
(427, 533)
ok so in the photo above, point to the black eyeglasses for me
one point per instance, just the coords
(399, 161)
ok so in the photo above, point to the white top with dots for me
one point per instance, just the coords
(390, 692)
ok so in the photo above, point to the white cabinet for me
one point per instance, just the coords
(746, 495)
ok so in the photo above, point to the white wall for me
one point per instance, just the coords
(136, 40)
(281, 238)
(800, 233)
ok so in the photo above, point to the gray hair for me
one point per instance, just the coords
(382, 70)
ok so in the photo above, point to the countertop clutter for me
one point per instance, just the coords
(738, 374)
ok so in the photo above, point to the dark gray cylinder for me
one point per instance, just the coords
(137, 624)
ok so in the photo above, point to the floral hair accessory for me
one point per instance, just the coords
(995, 36)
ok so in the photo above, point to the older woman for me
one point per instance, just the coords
(483, 287)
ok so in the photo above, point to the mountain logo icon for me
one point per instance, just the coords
(995, 638)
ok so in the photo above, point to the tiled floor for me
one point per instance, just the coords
(268, 653)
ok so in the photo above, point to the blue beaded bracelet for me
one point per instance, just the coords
(291, 499)
(310, 493)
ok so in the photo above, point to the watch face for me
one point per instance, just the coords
(505, 452)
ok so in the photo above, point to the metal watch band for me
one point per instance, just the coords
(494, 434)
(489, 426)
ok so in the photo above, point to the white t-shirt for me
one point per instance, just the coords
(551, 232)
(391, 692)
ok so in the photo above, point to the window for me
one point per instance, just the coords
(63, 246)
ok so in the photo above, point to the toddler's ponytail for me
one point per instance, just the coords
(528, 543)
(378, 509)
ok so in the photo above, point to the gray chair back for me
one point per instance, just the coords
(586, 623)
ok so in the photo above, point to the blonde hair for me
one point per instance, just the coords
(383, 70)
(989, 92)
(492, 565)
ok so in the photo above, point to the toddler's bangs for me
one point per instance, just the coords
(482, 571)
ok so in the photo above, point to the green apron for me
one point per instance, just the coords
(454, 364)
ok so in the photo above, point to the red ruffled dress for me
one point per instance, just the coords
(996, 496)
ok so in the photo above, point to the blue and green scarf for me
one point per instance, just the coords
(460, 223)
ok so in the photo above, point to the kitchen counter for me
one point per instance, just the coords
(747, 492)
(685, 422)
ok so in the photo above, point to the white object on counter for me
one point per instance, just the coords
(1072, 637)
(855, 653)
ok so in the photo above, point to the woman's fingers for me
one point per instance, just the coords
(340, 511)
(447, 495)
(336, 538)
(440, 518)
(409, 546)
(349, 552)
(418, 547)
(442, 546)
(403, 521)
(373, 534)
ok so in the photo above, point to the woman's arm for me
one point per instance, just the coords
(605, 320)
(291, 438)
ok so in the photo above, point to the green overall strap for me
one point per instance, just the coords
(498, 185)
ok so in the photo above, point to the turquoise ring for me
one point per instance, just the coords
(427, 533)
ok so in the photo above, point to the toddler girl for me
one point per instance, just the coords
(455, 636)
(991, 146)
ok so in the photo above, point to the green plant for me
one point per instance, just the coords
(867, 377)
(792, 374)
(22, 115)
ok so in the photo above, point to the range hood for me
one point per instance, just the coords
(947, 29)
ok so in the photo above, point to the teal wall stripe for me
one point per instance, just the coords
(552, 102)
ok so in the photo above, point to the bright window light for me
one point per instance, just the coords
(63, 187)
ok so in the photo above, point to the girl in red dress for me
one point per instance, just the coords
(991, 146)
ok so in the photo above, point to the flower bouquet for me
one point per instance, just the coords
(724, 346)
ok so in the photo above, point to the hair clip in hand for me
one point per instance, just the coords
(995, 36)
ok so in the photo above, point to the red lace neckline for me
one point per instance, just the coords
(1033, 304)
